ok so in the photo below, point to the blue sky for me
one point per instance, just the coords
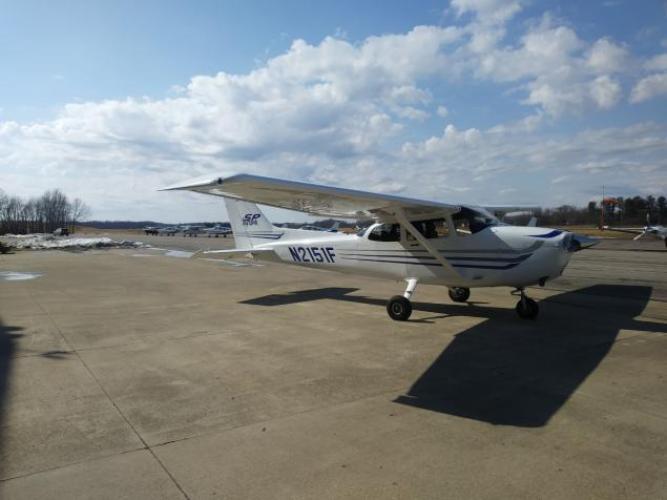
(485, 101)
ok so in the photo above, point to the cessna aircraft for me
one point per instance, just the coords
(457, 246)
(217, 231)
(657, 231)
(192, 231)
(332, 229)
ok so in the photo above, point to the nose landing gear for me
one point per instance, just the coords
(526, 308)
(399, 307)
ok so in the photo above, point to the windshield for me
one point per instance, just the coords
(471, 221)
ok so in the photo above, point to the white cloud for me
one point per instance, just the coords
(488, 11)
(338, 112)
(627, 156)
(606, 91)
(333, 98)
(559, 72)
(649, 87)
(412, 113)
(657, 63)
(607, 57)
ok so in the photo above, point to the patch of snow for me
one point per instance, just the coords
(182, 254)
(47, 242)
(234, 263)
(16, 276)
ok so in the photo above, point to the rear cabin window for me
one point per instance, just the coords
(385, 232)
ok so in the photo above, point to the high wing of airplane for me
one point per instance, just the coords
(457, 246)
(657, 231)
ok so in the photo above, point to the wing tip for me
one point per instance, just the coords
(199, 182)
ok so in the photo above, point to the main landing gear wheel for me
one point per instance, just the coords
(399, 308)
(527, 308)
(459, 294)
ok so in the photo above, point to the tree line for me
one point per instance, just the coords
(53, 210)
(43, 214)
(619, 210)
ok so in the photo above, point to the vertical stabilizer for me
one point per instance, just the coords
(249, 224)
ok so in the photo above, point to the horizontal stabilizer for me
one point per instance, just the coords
(238, 252)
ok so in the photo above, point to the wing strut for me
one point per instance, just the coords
(403, 220)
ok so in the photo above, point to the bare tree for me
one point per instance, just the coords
(78, 211)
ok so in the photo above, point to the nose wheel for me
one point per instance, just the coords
(526, 308)
(399, 307)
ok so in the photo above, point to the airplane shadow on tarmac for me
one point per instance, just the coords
(508, 371)
(8, 336)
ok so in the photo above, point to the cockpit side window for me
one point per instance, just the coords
(385, 232)
(431, 228)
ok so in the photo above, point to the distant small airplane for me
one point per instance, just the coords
(332, 229)
(457, 246)
(657, 231)
(168, 231)
(511, 217)
(151, 230)
(217, 231)
(192, 230)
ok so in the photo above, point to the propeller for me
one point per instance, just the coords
(646, 228)
(574, 242)
(643, 233)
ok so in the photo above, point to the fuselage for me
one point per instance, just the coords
(495, 256)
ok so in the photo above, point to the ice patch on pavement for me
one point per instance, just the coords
(48, 242)
(17, 276)
(234, 263)
(181, 254)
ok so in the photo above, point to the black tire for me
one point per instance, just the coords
(527, 308)
(399, 308)
(459, 294)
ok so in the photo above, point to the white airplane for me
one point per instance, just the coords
(513, 217)
(457, 246)
(657, 231)
(167, 231)
(310, 227)
(192, 230)
(217, 231)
